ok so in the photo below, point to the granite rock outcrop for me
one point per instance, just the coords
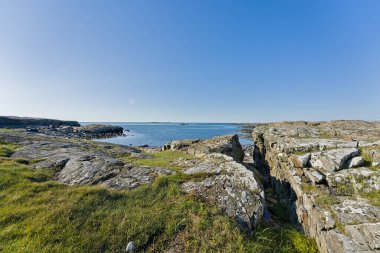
(325, 172)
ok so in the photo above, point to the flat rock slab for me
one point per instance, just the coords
(351, 212)
(362, 179)
(332, 160)
(366, 235)
(133, 176)
(89, 169)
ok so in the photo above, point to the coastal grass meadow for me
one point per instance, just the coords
(164, 159)
(7, 148)
(40, 215)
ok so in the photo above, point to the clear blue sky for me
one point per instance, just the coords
(198, 61)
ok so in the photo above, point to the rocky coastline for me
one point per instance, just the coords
(328, 175)
(323, 177)
(60, 128)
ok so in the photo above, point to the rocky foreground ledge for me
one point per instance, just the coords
(220, 178)
(327, 173)
(53, 127)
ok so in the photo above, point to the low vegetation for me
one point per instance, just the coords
(165, 159)
(10, 130)
(6, 148)
(373, 196)
(40, 215)
(323, 197)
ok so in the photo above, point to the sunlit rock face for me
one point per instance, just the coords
(329, 174)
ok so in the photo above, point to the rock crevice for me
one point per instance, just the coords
(320, 178)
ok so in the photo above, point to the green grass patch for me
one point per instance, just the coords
(365, 153)
(7, 148)
(280, 210)
(10, 130)
(373, 196)
(164, 159)
(40, 215)
(323, 197)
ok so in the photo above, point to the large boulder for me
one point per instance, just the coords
(227, 144)
(133, 176)
(355, 162)
(332, 160)
(89, 169)
(351, 212)
(231, 186)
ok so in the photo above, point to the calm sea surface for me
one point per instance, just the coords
(158, 134)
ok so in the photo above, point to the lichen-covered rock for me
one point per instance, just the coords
(89, 169)
(356, 179)
(133, 176)
(314, 175)
(228, 145)
(355, 162)
(326, 197)
(232, 187)
(376, 158)
(332, 160)
(351, 212)
(366, 234)
(300, 161)
(179, 144)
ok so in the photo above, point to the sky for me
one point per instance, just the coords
(190, 61)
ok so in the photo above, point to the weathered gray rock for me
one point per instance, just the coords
(351, 212)
(228, 145)
(333, 211)
(133, 176)
(236, 190)
(357, 179)
(130, 247)
(376, 158)
(205, 167)
(314, 175)
(332, 160)
(300, 161)
(89, 169)
(179, 144)
(328, 220)
(355, 162)
(367, 235)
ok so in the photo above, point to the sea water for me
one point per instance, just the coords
(158, 134)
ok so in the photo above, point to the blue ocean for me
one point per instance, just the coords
(158, 134)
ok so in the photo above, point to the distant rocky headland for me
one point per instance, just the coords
(53, 127)
(322, 177)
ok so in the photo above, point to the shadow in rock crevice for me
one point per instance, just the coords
(281, 199)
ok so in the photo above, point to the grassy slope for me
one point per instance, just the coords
(165, 159)
(39, 215)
